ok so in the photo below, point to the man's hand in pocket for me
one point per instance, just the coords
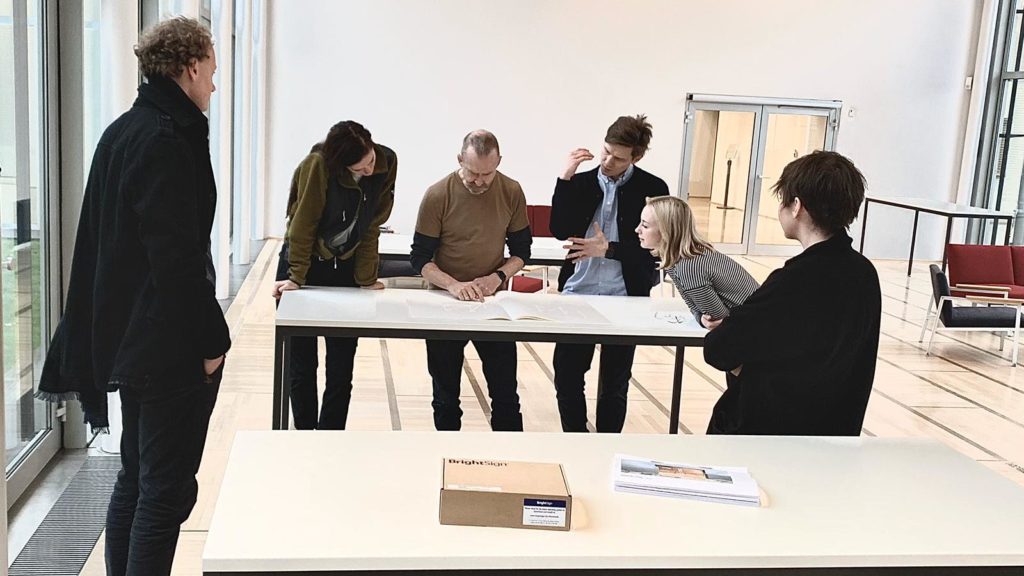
(211, 366)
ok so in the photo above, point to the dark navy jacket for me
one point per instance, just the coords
(572, 211)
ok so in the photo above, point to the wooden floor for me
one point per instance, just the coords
(966, 395)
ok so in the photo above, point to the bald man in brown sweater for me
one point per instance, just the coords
(464, 222)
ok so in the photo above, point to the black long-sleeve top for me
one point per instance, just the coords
(807, 340)
(424, 247)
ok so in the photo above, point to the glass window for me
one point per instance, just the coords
(1009, 151)
(92, 74)
(998, 176)
(1014, 49)
(23, 220)
(719, 169)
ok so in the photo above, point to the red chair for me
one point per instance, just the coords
(520, 283)
(539, 216)
(981, 269)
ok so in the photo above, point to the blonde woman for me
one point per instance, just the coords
(710, 282)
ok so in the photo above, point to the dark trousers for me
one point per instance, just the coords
(725, 416)
(444, 362)
(161, 447)
(304, 361)
(572, 361)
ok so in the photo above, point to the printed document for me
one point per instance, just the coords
(728, 485)
(507, 306)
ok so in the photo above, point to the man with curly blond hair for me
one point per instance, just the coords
(142, 317)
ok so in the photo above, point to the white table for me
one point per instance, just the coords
(367, 502)
(544, 251)
(354, 312)
(931, 206)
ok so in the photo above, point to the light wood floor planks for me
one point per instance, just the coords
(965, 395)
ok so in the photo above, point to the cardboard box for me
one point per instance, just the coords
(478, 492)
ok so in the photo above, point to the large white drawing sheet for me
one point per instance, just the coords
(507, 306)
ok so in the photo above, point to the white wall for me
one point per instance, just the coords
(549, 75)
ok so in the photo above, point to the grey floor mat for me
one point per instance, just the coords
(68, 534)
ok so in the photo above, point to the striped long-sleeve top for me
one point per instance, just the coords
(712, 283)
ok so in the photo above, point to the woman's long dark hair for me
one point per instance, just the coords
(346, 144)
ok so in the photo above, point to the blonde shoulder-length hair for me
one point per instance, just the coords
(679, 237)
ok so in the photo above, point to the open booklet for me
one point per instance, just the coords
(507, 306)
(728, 485)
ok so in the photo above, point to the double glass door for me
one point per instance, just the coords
(733, 154)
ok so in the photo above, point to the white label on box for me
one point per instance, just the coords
(473, 487)
(544, 512)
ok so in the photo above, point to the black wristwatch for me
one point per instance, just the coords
(610, 252)
(501, 276)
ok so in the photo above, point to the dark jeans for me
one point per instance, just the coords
(161, 447)
(304, 361)
(572, 361)
(444, 362)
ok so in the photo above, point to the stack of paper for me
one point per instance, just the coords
(710, 483)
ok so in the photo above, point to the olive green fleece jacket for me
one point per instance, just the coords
(306, 203)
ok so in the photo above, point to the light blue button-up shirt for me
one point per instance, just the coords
(602, 276)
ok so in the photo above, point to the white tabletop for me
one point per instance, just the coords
(369, 501)
(543, 248)
(389, 309)
(945, 208)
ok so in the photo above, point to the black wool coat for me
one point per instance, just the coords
(141, 309)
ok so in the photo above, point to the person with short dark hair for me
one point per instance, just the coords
(142, 316)
(803, 346)
(598, 211)
(464, 223)
(341, 193)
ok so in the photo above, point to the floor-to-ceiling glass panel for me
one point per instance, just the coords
(92, 77)
(789, 136)
(22, 221)
(719, 173)
(1015, 54)
(1009, 153)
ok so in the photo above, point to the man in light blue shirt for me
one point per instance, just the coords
(598, 211)
(602, 276)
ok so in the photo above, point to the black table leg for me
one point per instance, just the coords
(949, 230)
(677, 391)
(1009, 222)
(600, 387)
(864, 224)
(281, 354)
(913, 240)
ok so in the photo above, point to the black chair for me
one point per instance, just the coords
(986, 313)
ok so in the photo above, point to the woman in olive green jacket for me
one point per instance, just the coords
(340, 195)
